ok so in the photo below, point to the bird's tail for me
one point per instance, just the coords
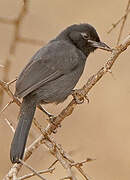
(26, 115)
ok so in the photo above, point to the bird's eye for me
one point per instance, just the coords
(85, 35)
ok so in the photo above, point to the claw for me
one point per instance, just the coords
(86, 97)
(79, 96)
(46, 112)
(51, 120)
(109, 70)
(78, 101)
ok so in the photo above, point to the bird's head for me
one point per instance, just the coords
(84, 37)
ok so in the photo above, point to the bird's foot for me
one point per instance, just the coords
(51, 117)
(51, 120)
(79, 96)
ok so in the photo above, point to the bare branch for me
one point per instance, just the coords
(31, 169)
(1, 66)
(10, 125)
(16, 38)
(82, 162)
(49, 170)
(53, 164)
(17, 25)
(11, 82)
(4, 20)
(5, 87)
(31, 41)
(82, 172)
(6, 106)
(123, 22)
(118, 21)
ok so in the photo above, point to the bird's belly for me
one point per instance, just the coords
(58, 90)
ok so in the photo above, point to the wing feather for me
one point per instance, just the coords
(46, 66)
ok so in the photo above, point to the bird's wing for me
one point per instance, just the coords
(49, 63)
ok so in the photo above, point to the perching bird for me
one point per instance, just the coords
(51, 75)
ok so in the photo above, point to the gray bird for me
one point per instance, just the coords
(51, 75)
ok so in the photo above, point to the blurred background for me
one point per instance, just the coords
(100, 129)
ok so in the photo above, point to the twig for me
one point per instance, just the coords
(1, 66)
(16, 167)
(11, 82)
(68, 177)
(17, 24)
(115, 24)
(6, 106)
(31, 169)
(31, 41)
(7, 20)
(12, 173)
(82, 172)
(82, 162)
(16, 37)
(5, 87)
(10, 125)
(49, 170)
(123, 22)
(54, 150)
(75, 164)
(53, 164)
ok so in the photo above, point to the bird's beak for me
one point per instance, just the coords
(100, 45)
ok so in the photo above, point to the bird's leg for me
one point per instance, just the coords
(51, 116)
(79, 96)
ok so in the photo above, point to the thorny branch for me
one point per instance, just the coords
(30, 168)
(1, 66)
(115, 24)
(123, 22)
(10, 125)
(16, 38)
(54, 148)
(49, 170)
